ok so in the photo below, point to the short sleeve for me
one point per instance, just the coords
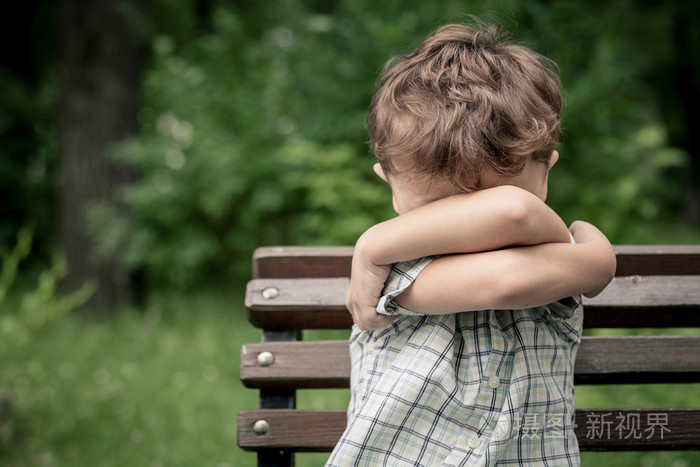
(566, 316)
(400, 278)
(564, 308)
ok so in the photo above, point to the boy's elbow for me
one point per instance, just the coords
(606, 273)
(532, 221)
(610, 267)
(520, 207)
(609, 264)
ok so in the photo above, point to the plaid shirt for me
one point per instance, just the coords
(492, 387)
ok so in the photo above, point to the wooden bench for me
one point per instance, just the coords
(297, 288)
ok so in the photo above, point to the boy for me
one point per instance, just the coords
(470, 361)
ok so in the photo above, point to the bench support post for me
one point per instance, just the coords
(277, 399)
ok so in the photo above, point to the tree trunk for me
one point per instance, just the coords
(100, 59)
(686, 92)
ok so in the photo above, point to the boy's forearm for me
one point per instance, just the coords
(514, 278)
(480, 221)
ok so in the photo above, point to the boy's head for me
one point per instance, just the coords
(465, 110)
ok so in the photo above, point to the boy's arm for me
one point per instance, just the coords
(483, 220)
(480, 221)
(514, 278)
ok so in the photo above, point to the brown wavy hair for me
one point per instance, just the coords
(464, 101)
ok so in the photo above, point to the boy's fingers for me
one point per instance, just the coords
(366, 317)
(383, 321)
(372, 320)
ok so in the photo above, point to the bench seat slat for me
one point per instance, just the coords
(300, 364)
(335, 261)
(638, 359)
(609, 429)
(648, 291)
(600, 360)
(634, 301)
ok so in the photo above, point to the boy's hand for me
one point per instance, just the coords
(366, 284)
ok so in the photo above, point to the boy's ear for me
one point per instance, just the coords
(380, 172)
(553, 160)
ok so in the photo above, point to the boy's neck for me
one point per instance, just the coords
(533, 177)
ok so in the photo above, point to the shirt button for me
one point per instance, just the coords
(473, 441)
(494, 381)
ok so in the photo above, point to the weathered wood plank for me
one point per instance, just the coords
(298, 303)
(295, 294)
(297, 430)
(302, 261)
(638, 359)
(600, 360)
(609, 429)
(648, 292)
(638, 429)
(646, 301)
(631, 301)
(299, 261)
(657, 260)
(310, 364)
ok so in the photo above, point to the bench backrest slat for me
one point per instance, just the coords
(630, 301)
(609, 429)
(302, 261)
(600, 360)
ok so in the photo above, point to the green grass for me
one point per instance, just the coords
(153, 388)
(161, 387)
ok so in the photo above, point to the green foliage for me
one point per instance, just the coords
(37, 307)
(618, 168)
(28, 158)
(252, 131)
(11, 259)
(29, 108)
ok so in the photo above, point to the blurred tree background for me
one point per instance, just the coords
(248, 125)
